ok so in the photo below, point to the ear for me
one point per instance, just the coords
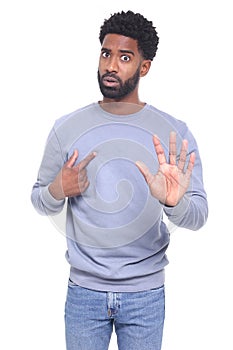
(145, 67)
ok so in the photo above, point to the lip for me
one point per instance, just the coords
(110, 81)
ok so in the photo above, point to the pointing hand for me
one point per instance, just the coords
(72, 180)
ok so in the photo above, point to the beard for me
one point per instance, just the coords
(123, 89)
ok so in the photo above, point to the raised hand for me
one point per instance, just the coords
(72, 180)
(172, 179)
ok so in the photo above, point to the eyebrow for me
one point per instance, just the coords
(121, 51)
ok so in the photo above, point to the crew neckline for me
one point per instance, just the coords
(120, 117)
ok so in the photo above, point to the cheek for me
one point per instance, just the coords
(127, 71)
(101, 67)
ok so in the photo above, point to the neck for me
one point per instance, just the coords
(127, 105)
(121, 108)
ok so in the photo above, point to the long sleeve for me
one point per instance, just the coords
(192, 211)
(51, 164)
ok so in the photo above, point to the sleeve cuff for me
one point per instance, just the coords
(179, 209)
(49, 201)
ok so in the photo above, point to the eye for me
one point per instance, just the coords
(125, 58)
(105, 54)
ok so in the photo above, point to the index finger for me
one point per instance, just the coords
(159, 150)
(84, 163)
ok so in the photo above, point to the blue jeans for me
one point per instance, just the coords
(138, 319)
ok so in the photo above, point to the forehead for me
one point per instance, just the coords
(116, 42)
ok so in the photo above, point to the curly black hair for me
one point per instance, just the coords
(135, 26)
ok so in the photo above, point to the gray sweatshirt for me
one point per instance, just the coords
(116, 234)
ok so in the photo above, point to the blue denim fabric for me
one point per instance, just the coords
(138, 319)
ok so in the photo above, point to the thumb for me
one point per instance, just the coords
(144, 170)
(71, 161)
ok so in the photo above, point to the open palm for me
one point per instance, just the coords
(172, 180)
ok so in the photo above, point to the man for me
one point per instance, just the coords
(121, 165)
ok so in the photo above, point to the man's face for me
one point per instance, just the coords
(119, 66)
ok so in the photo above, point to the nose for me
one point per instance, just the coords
(112, 65)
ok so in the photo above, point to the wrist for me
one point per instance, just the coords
(56, 190)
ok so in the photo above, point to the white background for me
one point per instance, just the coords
(49, 58)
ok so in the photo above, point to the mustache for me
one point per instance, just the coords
(111, 75)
